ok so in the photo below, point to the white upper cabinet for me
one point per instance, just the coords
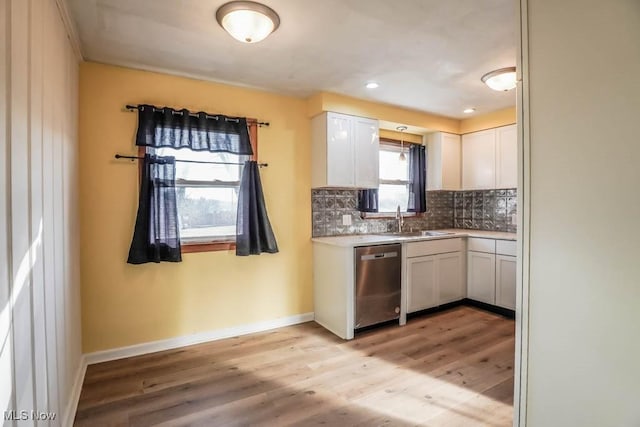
(507, 157)
(490, 159)
(444, 157)
(344, 151)
(479, 160)
(367, 157)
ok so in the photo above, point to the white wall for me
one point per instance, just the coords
(584, 87)
(40, 356)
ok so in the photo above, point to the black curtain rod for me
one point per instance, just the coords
(132, 108)
(120, 156)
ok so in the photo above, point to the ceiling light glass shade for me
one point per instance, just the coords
(502, 79)
(247, 21)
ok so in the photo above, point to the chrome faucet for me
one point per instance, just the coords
(400, 219)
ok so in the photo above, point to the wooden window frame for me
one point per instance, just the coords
(222, 245)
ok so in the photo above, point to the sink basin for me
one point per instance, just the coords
(429, 233)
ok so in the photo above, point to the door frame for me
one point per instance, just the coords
(524, 219)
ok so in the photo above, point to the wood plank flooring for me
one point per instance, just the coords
(453, 368)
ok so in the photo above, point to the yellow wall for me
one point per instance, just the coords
(326, 101)
(124, 304)
(494, 119)
(407, 137)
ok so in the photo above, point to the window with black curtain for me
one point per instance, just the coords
(207, 194)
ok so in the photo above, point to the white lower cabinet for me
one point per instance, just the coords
(481, 277)
(436, 279)
(506, 281)
(450, 277)
(422, 282)
(491, 272)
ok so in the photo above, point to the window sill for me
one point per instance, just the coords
(387, 215)
(188, 248)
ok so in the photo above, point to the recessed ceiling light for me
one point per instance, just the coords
(468, 110)
(503, 79)
(372, 85)
(247, 21)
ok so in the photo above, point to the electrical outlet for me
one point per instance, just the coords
(346, 219)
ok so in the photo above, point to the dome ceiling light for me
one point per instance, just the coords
(247, 21)
(502, 80)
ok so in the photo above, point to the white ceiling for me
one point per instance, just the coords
(426, 55)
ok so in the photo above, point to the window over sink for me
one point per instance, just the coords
(393, 190)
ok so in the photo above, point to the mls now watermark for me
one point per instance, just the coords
(29, 416)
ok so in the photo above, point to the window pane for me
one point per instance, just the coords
(391, 167)
(205, 172)
(392, 196)
(206, 211)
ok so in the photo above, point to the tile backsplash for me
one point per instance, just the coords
(482, 210)
(486, 210)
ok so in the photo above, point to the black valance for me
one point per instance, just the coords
(166, 127)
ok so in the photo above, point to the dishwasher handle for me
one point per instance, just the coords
(383, 255)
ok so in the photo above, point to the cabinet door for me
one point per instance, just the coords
(451, 162)
(507, 157)
(366, 142)
(479, 160)
(450, 279)
(340, 151)
(481, 277)
(444, 159)
(506, 281)
(421, 283)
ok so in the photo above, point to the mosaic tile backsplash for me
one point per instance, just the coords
(482, 210)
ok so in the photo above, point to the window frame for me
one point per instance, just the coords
(386, 215)
(222, 244)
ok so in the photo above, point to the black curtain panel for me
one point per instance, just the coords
(368, 200)
(417, 179)
(166, 127)
(156, 236)
(253, 230)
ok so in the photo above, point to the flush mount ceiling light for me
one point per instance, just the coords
(247, 21)
(468, 110)
(502, 79)
(372, 85)
(401, 129)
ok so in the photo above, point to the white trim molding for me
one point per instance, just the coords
(201, 337)
(70, 27)
(524, 226)
(74, 398)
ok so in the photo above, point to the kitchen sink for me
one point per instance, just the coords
(424, 233)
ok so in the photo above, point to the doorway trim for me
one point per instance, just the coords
(524, 219)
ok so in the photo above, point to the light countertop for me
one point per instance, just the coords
(374, 239)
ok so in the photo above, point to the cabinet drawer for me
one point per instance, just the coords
(506, 247)
(481, 245)
(432, 247)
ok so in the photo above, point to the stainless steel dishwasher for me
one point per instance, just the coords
(377, 284)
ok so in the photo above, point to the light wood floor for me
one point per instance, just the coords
(453, 368)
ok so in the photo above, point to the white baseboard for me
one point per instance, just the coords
(171, 343)
(72, 405)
